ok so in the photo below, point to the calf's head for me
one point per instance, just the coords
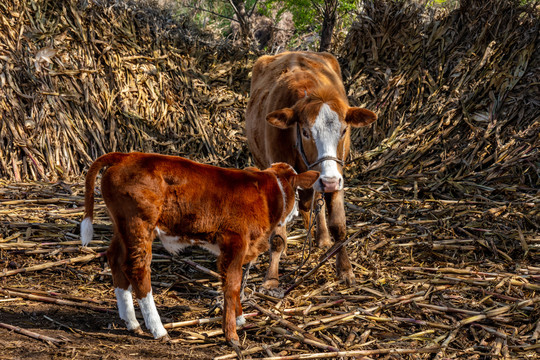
(289, 181)
(323, 120)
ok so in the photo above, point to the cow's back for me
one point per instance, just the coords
(279, 81)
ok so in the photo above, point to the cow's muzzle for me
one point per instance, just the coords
(329, 184)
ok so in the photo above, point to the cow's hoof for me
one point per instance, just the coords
(137, 331)
(347, 276)
(278, 293)
(324, 242)
(269, 285)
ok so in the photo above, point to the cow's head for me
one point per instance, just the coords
(324, 121)
(288, 182)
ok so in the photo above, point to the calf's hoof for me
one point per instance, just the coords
(137, 330)
(165, 338)
(235, 344)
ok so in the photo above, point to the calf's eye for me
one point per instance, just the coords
(305, 133)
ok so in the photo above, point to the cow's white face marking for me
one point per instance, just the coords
(151, 316)
(326, 132)
(173, 244)
(124, 301)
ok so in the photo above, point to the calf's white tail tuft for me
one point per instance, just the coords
(87, 231)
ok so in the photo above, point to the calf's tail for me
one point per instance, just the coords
(87, 230)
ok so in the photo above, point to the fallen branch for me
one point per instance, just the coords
(199, 267)
(195, 322)
(253, 350)
(307, 309)
(31, 334)
(298, 337)
(354, 353)
(53, 264)
(55, 300)
(332, 252)
(205, 334)
(54, 294)
(303, 333)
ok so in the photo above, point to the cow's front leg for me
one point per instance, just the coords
(278, 246)
(322, 235)
(338, 228)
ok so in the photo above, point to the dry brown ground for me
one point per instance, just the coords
(456, 277)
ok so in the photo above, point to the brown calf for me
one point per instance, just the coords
(298, 113)
(230, 212)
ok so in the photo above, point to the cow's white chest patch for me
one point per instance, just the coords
(213, 248)
(170, 243)
(174, 244)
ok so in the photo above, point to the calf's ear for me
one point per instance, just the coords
(281, 118)
(357, 117)
(305, 180)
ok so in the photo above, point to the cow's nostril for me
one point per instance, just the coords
(330, 181)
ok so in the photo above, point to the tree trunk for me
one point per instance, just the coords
(329, 22)
(239, 7)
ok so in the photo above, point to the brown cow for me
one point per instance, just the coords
(299, 114)
(230, 212)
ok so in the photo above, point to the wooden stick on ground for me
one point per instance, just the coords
(199, 267)
(53, 264)
(175, 325)
(354, 353)
(31, 333)
(299, 337)
(245, 352)
(55, 301)
(287, 324)
(328, 256)
(55, 295)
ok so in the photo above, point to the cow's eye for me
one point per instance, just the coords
(305, 133)
(343, 132)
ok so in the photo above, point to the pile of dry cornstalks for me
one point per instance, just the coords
(79, 79)
(457, 93)
(443, 196)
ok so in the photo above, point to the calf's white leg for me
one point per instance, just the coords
(126, 310)
(151, 316)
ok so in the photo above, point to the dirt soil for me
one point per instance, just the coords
(436, 278)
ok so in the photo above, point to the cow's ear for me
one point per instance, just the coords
(281, 118)
(305, 180)
(357, 117)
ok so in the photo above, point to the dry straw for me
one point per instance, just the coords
(443, 189)
(79, 79)
(456, 92)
